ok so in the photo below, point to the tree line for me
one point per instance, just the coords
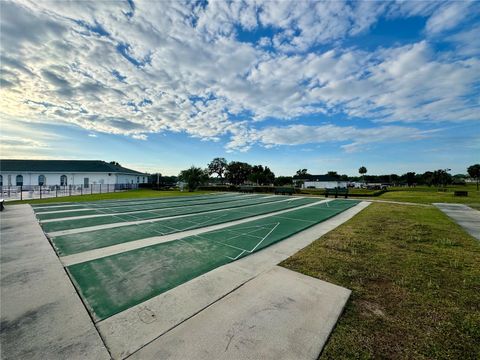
(220, 171)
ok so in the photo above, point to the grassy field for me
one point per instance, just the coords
(130, 194)
(428, 195)
(415, 281)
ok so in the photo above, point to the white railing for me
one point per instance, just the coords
(27, 192)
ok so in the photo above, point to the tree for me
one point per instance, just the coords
(362, 171)
(194, 177)
(218, 166)
(283, 180)
(115, 163)
(261, 175)
(302, 172)
(333, 174)
(474, 172)
(237, 172)
(410, 178)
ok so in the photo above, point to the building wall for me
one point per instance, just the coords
(53, 178)
(325, 184)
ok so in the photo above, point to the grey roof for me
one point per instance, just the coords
(64, 166)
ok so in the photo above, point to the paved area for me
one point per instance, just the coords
(280, 314)
(157, 316)
(46, 321)
(463, 215)
(41, 315)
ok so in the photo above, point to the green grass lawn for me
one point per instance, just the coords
(428, 195)
(140, 193)
(415, 281)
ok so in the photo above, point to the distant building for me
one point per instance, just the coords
(320, 182)
(66, 172)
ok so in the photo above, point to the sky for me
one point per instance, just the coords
(163, 85)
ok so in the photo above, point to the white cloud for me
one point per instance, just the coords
(449, 16)
(356, 137)
(179, 67)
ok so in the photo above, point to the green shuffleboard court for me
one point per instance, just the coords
(89, 240)
(115, 283)
(39, 208)
(95, 220)
(128, 208)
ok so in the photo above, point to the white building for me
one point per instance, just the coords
(322, 182)
(83, 173)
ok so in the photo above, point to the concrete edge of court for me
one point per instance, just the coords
(42, 316)
(149, 321)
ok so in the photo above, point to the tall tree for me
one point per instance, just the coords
(474, 172)
(333, 174)
(194, 177)
(218, 166)
(362, 171)
(283, 180)
(302, 172)
(410, 178)
(237, 172)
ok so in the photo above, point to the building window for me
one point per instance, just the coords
(19, 180)
(41, 180)
(63, 180)
(138, 179)
(1, 180)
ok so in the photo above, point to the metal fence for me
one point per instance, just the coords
(48, 191)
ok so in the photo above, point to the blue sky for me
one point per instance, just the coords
(160, 86)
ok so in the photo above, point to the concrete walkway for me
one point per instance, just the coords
(41, 315)
(280, 314)
(463, 215)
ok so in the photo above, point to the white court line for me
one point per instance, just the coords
(256, 228)
(265, 237)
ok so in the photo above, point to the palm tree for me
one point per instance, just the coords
(362, 171)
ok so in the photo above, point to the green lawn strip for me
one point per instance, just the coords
(152, 214)
(143, 207)
(112, 284)
(415, 281)
(429, 195)
(107, 196)
(120, 203)
(79, 242)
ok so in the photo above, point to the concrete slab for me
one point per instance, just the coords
(465, 216)
(280, 314)
(41, 315)
(181, 303)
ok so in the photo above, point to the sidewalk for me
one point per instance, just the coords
(464, 216)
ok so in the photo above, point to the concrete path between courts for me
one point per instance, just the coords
(463, 215)
(41, 315)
